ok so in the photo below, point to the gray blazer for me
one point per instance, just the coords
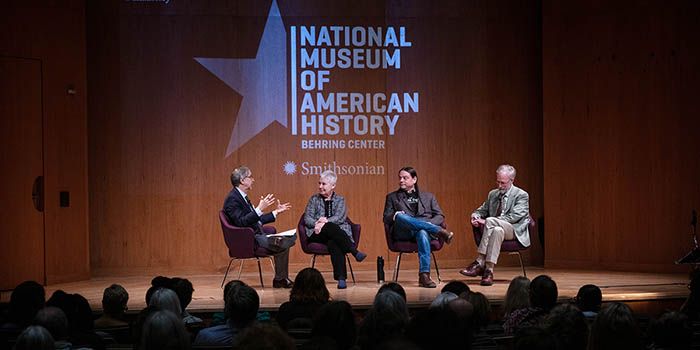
(515, 211)
(315, 209)
(428, 208)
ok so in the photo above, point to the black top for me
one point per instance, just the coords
(412, 199)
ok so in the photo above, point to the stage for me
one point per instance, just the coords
(646, 293)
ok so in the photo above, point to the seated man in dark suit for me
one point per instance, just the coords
(415, 215)
(241, 212)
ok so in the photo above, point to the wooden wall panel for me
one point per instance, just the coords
(160, 123)
(55, 35)
(21, 158)
(620, 133)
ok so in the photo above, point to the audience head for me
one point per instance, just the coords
(390, 302)
(80, 317)
(386, 319)
(337, 321)
(442, 299)
(567, 324)
(263, 337)
(157, 283)
(309, 287)
(615, 328)
(589, 298)
(517, 295)
(463, 309)
(438, 328)
(162, 281)
(459, 288)
(671, 331)
(54, 320)
(59, 299)
(114, 300)
(166, 299)
(535, 337)
(149, 294)
(34, 338)
(230, 284)
(26, 300)
(482, 309)
(543, 292)
(164, 330)
(694, 284)
(137, 327)
(76, 308)
(241, 305)
(394, 287)
(184, 289)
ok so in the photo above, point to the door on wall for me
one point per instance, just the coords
(21, 174)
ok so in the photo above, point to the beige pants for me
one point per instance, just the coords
(495, 231)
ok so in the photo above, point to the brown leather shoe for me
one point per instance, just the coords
(473, 270)
(487, 278)
(446, 235)
(425, 281)
(285, 283)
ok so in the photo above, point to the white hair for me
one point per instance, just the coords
(506, 169)
(330, 176)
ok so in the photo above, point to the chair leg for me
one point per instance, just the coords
(396, 269)
(437, 269)
(272, 263)
(351, 272)
(240, 269)
(260, 273)
(313, 261)
(226, 274)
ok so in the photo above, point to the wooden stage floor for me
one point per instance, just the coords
(630, 287)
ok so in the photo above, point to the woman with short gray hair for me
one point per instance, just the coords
(325, 219)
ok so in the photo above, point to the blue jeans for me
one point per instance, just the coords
(407, 228)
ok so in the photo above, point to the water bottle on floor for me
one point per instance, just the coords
(380, 269)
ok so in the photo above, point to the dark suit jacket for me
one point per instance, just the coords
(240, 214)
(428, 208)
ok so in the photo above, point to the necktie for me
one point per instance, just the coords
(249, 202)
(500, 204)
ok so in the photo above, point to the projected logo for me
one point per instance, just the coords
(310, 168)
(322, 116)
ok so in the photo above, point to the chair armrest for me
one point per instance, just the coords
(269, 230)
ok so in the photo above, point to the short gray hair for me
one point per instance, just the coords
(506, 169)
(239, 174)
(330, 176)
(442, 299)
(166, 299)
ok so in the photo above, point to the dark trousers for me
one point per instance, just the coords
(280, 247)
(338, 244)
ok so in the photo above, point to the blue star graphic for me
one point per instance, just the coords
(261, 81)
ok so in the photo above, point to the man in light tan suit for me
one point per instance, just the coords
(505, 215)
